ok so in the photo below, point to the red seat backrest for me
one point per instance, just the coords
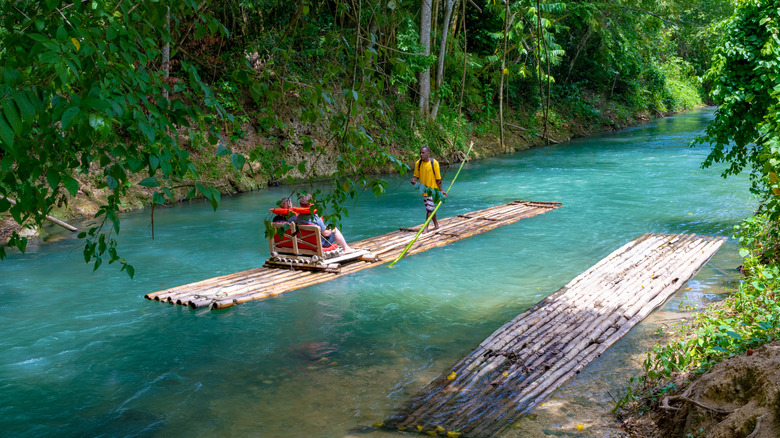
(285, 240)
(307, 239)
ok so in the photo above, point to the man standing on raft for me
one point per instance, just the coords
(426, 170)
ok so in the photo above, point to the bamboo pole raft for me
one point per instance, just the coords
(265, 282)
(524, 361)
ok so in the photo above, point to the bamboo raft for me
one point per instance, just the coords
(265, 282)
(524, 361)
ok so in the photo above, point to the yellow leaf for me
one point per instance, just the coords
(453, 434)
(776, 191)
(452, 376)
(378, 424)
(580, 426)
(773, 177)
(420, 428)
(506, 71)
(76, 43)
(505, 374)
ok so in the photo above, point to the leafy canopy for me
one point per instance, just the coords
(83, 90)
(745, 83)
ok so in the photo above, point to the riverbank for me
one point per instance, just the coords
(522, 131)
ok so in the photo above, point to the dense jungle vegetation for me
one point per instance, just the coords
(165, 98)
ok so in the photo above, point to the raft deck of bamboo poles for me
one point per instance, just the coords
(524, 361)
(264, 282)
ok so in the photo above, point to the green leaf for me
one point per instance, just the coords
(112, 182)
(70, 184)
(62, 34)
(12, 115)
(26, 108)
(149, 182)
(111, 33)
(38, 37)
(129, 268)
(744, 253)
(6, 135)
(154, 163)
(238, 160)
(355, 95)
(96, 121)
(222, 150)
(147, 131)
(158, 198)
(68, 116)
(734, 335)
(54, 179)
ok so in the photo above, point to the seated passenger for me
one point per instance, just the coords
(284, 212)
(329, 235)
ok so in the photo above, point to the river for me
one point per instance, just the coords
(84, 354)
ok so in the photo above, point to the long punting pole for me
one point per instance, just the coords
(531, 356)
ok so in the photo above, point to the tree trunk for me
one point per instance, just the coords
(448, 7)
(425, 42)
(166, 51)
(503, 75)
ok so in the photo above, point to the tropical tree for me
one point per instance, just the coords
(745, 83)
(84, 90)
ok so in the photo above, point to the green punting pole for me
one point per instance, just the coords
(403, 253)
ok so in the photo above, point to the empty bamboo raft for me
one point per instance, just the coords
(264, 282)
(524, 361)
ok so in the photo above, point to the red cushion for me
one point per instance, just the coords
(304, 210)
(278, 239)
(310, 236)
(282, 211)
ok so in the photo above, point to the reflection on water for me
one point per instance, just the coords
(84, 354)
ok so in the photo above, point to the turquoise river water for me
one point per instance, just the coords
(84, 354)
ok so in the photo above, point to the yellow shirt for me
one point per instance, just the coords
(427, 172)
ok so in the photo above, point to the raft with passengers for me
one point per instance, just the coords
(300, 240)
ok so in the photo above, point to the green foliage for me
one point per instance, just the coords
(82, 91)
(410, 62)
(682, 90)
(745, 83)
